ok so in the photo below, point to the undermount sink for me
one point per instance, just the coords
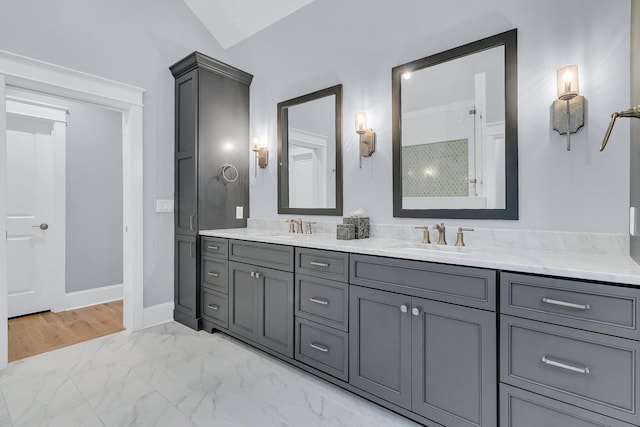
(433, 248)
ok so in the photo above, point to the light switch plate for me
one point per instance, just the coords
(164, 206)
(633, 221)
(239, 212)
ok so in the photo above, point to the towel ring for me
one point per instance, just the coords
(223, 172)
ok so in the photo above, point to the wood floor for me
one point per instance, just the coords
(41, 332)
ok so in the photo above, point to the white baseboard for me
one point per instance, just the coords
(157, 314)
(79, 299)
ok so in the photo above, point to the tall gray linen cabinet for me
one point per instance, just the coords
(211, 166)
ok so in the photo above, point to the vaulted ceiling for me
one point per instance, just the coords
(231, 21)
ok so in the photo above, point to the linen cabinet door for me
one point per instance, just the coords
(243, 300)
(454, 364)
(186, 187)
(380, 344)
(186, 294)
(275, 310)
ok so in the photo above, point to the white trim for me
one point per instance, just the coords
(80, 299)
(4, 335)
(52, 79)
(158, 314)
(36, 75)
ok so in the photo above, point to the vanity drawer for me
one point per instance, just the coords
(215, 307)
(591, 306)
(473, 287)
(268, 255)
(323, 301)
(593, 371)
(326, 264)
(322, 348)
(519, 408)
(215, 274)
(214, 247)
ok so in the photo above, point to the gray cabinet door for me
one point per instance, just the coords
(243, 300)
(454, 364)
(186, 295)
(380, 344)
(275, 310)
(185, 154)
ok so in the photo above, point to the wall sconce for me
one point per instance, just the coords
(568, 109)
(262, 154)
(367, 136)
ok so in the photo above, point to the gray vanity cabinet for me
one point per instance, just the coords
(261, 306)
(435, 359)
(261, 298)
(380, 344)
(211, 109)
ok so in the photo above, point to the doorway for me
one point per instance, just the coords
(38, 76)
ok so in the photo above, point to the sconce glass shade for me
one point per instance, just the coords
(567, 78)
(361, 122)
(255, 142)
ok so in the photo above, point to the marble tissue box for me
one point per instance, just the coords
(346, 232)
(361, 224)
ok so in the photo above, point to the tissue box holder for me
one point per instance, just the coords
(346, 232)
(361, 225)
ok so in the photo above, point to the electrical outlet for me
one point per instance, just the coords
(239, 212)
(633, 218)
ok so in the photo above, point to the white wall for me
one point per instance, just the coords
(357, 42)
(133, 42)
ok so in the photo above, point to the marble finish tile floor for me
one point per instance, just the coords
(170, 375)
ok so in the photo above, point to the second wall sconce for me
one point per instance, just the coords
(367, 136)
(568, 109)
(262, 154)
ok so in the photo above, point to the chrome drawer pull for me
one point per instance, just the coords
(213, 274)
(213, 307)
(319, 264)
(561, 365)
(319, 301)
(566, 304)
(319, 347)
(213, 248)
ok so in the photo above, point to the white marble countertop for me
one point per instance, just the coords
(580, 265)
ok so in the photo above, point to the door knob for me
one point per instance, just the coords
(42, 226)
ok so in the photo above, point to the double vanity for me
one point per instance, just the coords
(445, 336)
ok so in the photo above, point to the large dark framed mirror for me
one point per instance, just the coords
(310, 153)
(455, 132)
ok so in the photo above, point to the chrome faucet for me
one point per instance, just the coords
(442, 238)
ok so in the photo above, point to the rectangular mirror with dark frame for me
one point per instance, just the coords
(310, 153)
(455, 132)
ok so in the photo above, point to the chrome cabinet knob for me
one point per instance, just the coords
(415, 311)
(404, 308)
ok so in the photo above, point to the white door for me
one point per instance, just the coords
(30, 208)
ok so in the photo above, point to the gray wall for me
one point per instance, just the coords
(132, 42)
(357, 43)
(93, 239)
(94, 197)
